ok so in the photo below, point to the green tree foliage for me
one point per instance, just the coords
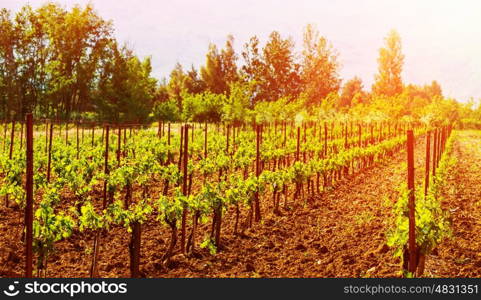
(253, 67)
(180, 82)
(58, 63)
(193, 83)
(166, 111)
(237, 106)
(320, 66)
(125, 91)
(352, 92)
(281, 72)
(220, 67)
(274, 70)
(434, 90)
(175, 87)
(8, 65)
(66, 64)
(388, 80)
(282, 109)
(205, 107)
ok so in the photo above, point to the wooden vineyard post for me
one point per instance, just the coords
(125, 141)
(332, 136)
(119, 141)
(380, 132)
(29, 204)
(304, 139)
(411, 204)
(233, 137)
(298, 143)
(325, 139)
(12, 139)
(135, 250)
(46, 135)
(179, 164)
(192, 131)
(168, 144)
(135, 239)
(21, 135)
(106, 165)
(93, 134)
(78, 141)
(205, 140)
(168, 134)
(49, 162)
(438, 146)
(257, 208)
(435, 150)
(360, 136)
(218, 208)
(428, 155)
(5, 135)
(184, 186)
(351, 132)
(227, 140)
(440, 142)
(435, 144)
(360, 161)
(445, 136)
(66, 133)
(372, 133)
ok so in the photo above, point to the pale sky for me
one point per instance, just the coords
(441, 39)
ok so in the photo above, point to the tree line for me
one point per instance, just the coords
(62, 64)
(66, 64)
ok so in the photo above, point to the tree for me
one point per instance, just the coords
(176, 86)
(434, 90)
(388, 80)
(193, 83)
(281, 72)
(60, 63)
(273, 71)
(78, 41)
(228, 60)
(205, 107)
(162, 92)
(220, 68)
(253, 67)
(8, 65)
(320, 66)
(236, 109)
(126, 91)
(164, 108)
(352, 90)
(166, 111)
